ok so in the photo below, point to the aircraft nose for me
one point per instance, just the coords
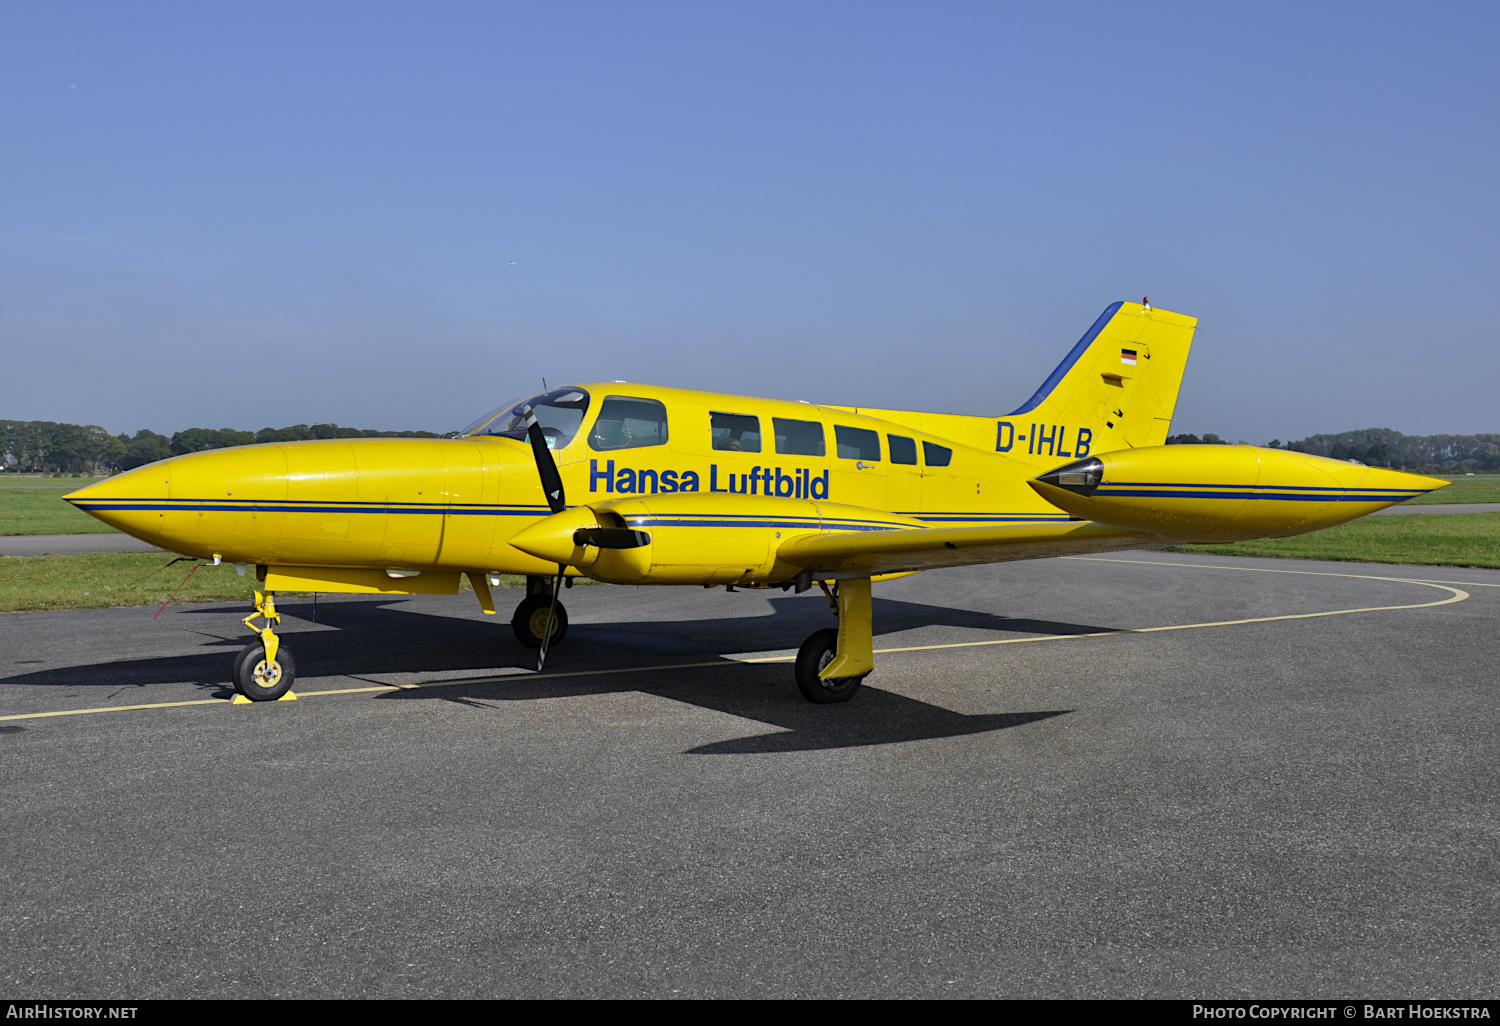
(186, 503)
(126, 501)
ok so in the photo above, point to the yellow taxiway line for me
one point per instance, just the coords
(387, 687)
(1456, 595)
(1275, 570)
(117, 708)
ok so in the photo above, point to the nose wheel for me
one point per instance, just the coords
(264, 670)
(264, 680)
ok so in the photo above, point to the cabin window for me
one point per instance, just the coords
(903, 449)
(798, 437)
(626, 423)
(559, 412)
(936, 455)
(856, 443)
(735, 432)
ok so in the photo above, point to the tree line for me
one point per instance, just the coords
(1384, 447)
(44, 446)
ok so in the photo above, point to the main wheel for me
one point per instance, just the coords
(530, 621)
(260, 681)
(817, 652)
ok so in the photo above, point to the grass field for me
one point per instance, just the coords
(1462, 539)
(1479, 488)
(112, 579)
(115, 579)
(46, 480)
(36, 510)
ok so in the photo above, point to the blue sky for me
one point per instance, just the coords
(401, 215)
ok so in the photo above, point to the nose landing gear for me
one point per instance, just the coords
(264, 670)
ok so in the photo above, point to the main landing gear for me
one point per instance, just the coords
(833, 663)
(264, 670)
(529, 621)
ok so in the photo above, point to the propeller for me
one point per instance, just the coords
(600, 537)
(552, 487)
(546, 466)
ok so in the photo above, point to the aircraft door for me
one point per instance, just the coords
(859, 470)
(903, 475)
(945, 490)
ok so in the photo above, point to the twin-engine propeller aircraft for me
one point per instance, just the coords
(636, 484)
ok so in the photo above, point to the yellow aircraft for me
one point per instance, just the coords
(637, 484)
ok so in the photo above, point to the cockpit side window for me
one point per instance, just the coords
(559, 412)
(735, 432)
(627, 423)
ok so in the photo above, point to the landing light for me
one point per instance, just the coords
(1080, 477)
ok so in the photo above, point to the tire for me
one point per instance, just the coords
(530, 620)
(255, 680)
(817, 652)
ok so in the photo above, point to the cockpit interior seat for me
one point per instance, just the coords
(609, 434)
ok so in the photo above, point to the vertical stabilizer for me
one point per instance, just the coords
(1116, 389)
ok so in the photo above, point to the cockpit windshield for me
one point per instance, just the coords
(559, 412)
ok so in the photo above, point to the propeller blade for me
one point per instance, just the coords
(546, 466)
(541, 659)
(611, 537)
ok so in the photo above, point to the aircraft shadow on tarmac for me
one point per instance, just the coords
(385, 637)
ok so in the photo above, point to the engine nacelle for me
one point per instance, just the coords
(692, 538)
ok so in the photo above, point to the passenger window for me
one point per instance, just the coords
(903, 450)
(936, 455)
(734, 432)
(856, 443)
(798, 437)
(629, 424)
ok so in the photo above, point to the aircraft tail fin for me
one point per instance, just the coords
(1116, 389)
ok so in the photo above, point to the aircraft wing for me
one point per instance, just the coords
(901, 550)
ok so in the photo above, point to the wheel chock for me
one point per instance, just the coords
(239, 699)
